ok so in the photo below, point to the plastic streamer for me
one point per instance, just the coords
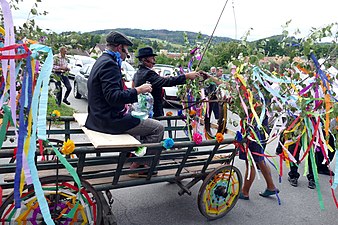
(9, 41)
(316, 108)
(31, 154)
(30, 101)
(42, 83)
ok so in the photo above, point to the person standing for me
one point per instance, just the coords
(255, 147)
(60, 68)
(210, 91)
(219, 72)
(145, 74)
(108, 97)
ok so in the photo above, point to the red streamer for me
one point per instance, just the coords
(41, 149)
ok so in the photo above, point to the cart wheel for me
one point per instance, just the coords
(219, 192)
(60, 202)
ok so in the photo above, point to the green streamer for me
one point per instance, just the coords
(72, 212)
(7, 118)
(69, 167)
(315, 174)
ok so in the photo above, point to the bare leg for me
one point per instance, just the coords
(247, 183)
(265, 169)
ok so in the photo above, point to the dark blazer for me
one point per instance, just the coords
(107, 98)
(145, 74)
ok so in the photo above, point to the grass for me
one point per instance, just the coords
(63, 109)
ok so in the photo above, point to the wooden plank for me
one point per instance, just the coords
(80, 118)
(103, 140)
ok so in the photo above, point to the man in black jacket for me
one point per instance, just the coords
(145, 74)
(108, 96)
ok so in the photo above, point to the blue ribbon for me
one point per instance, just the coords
(42, 84)
(39, 104)
(322, 75)
(22, 135)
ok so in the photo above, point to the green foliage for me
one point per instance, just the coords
(63, 109)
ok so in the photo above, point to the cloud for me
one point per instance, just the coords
(265, 16)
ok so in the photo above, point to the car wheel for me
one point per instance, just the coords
(76, 91)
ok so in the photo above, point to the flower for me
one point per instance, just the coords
(56, 113)
(168, 143)
(193, 51)
(68, 147)
(219, 137)
(194, 124)
(192, 112)
(197, 138)
(170, 113)
(180, 112)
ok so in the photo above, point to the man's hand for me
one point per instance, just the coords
(144, 88)
(204, 74)
(192, 75)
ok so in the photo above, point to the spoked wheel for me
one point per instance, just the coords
(219, 192)
(62, 197)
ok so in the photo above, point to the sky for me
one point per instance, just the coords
(264, 17)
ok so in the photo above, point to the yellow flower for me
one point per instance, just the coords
(68, 147)
(56, 113)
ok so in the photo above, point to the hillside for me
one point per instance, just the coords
(174, 37)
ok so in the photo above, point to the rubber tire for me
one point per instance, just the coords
(61, 178)
(210, 178)
(77, 95)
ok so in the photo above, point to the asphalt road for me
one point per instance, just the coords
(160, 204)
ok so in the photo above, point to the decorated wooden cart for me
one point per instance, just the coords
(50, 175)
(77, 188)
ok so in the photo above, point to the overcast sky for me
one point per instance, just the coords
(266, 17)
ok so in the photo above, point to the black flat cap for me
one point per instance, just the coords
(115, 37)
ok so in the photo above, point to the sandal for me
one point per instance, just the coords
(241, 196)
(267, 192)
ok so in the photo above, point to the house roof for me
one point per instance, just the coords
(102, 47)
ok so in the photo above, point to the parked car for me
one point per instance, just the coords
(76, 62)
(128, 71)
(80, 81)
(165, 70)
(81, 78)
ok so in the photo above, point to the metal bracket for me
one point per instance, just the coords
(183, 190)
(110, 198)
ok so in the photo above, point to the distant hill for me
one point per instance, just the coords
(174, 37)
